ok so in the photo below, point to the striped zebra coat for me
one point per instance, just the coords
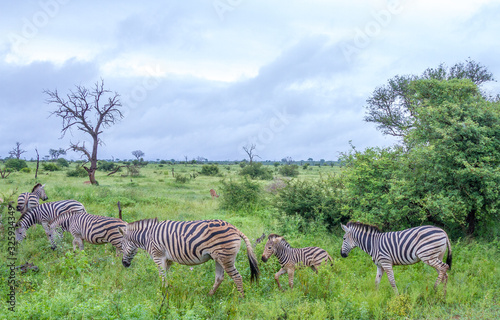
(189, 243)
(426, 243)
(289, 257)
(28, 200)
(43, 214)
(88, 227)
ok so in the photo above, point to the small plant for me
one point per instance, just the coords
(239, 195)
(79, 172)
(210, 170)
(50, 167)
(399, 305)
(289, 170)
(256, 171)
(181, 178)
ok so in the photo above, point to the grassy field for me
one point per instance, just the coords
(93, 284)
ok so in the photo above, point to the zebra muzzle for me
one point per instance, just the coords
(344, 255)
(126, 264)
(264, 259)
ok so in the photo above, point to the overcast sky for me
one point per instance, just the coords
(204, 78)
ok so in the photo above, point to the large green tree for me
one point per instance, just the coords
(449, 175)
(391, 106)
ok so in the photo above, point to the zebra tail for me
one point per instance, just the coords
(449, 258)
(252, 259)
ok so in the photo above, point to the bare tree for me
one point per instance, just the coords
(86, 110)
(17, 151)
(138, 154)
(249, 150)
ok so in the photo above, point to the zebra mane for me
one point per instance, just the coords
(273, 236)
(141, 224)
(364, 226)
(36, 187)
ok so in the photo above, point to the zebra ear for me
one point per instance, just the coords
(43, 185)
(346, 228)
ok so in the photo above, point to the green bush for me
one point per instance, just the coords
(210, 170)
(15, 164)
(61, 162)
(240, 195)
(25, 170)
(78, 172)
(289, 170)
(318, 201)
(106, 166)
(181, 178)
(50, 167)
(257, 171)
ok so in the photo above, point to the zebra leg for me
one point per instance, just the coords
(77, 241)
(277, 275)
(390, 274)
(219, 276)
(291, 272)
(315, 268)
(442, 269)
(380, 273)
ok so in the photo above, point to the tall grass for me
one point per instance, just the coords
(93, 284)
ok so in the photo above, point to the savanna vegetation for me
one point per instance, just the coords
(93, 284)
(444, 172)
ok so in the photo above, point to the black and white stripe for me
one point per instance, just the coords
(43, 214)
(83, 226)
(189, 243)
(289, 257)
(28, 200)
(426, 243)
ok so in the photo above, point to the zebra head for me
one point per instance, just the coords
(40, 191)
(271, 244)
(20, 232)
(129, 247)
(348, 244)
(55, 234)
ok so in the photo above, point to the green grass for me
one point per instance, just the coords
(93, 284)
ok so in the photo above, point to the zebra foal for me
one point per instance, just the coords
(43, 214)
(426, 243)
(189, 243)
(91, 228)
(289, 257)
(28, 200)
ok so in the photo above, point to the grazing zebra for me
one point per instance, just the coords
(189, 243)
(289, 257)
(28, 200)
(43, 214)
(88, 227)
(425, 243)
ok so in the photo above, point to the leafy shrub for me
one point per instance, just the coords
(257, 171)
(50, 167)
(181, 178)
(239, 195)
(61, 162)
(289, 170)
(318, 201)
(210, 170)
(25, 170)
(15, 164)
(106, 165)
(78, 172)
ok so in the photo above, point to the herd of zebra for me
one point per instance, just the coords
(196, 242)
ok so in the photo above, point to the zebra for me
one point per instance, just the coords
(424, 243)
(83, 226)
(289, 257)
(189, 243)
(43, 214)
(28, 200)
